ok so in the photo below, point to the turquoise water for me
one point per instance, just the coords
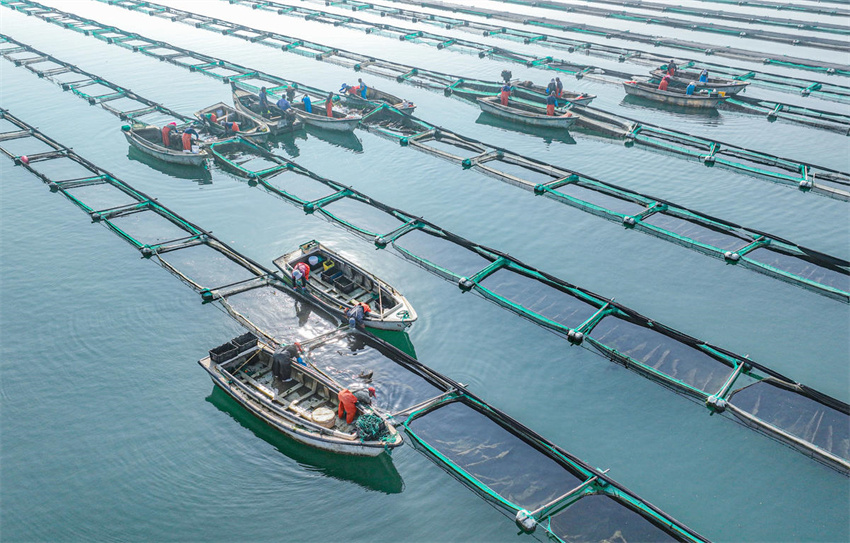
(110, 431)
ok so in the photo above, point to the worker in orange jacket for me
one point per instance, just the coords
(348, 402)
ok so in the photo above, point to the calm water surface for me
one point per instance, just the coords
(111, 432)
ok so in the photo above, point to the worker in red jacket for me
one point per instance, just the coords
(348, 402)
(300, 275)
(166, 134)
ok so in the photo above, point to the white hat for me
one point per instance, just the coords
(297, 274)
(313, 260)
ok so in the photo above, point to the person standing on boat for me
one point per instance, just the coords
(664, 82)
(308, 106)
(166, 133)
(559, 87)
(551, 87)
(362, 88)
(689, 91)
(671, 67)
(357, 314)
(551, 104)
(300, 276)
(703, 76)
(264, 101)
(506, 93)
(329, 104)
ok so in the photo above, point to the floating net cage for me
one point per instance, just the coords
(541, 298)
(518, 287)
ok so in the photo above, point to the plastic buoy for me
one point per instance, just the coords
(525, 521)
(25, 159)
(731, 257)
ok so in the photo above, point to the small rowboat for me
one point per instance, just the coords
(673, 97)
(337, 284)
(292, 398)
(526, 113)
(340, 122)
(249, 103)
(148, 139)
(682, 79)
(250, 127)
(525, 90)
(375, 95)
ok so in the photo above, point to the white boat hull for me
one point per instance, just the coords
(494, 107)
(326, 123)
(166, 155)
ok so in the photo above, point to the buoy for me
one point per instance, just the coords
(718, 405)
(805, 184)
(380, 241)
(53, 186)
(25, 159)
(628, 221)
(95, 216)
(465, 284)
(525, 521)
(146, 251)
(575, 337)
(731, 257)
(206, 295)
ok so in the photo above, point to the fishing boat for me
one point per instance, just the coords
(279, 123)
(148, 139)
(220, 119)
(337, 285)
(526, 114)
(340, 122)
(682, 79)
(649, 91)
(295, 399)
(375, 95)
(525, 90)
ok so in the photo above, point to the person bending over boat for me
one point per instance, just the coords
(357, 313)
(506, 93)
(230, 127)
(348, 401)
(169, 132)
(300, 276)
(282, 360)
(664, 82)
(283, 104)
(703, 76)
(689, 90)
(189, 135)
(551, 104)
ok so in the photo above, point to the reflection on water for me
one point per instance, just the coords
(548, 135)
(373, 473)
(707, 116)
(199, 175)
(346, 140)
(399, 340)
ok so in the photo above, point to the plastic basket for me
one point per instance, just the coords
(223, 353)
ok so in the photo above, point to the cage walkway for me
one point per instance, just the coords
(793, 24)
(533, 455)
(806, 87)
(820, 426)
(781, 6)
(806, 177)
(750, 248)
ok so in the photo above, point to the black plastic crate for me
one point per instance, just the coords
(244, 342)
(223, 353)
(344, 284)
(328, 276)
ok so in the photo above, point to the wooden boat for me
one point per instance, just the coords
(337, 284)
(250, 126)
(375, 95)
(526, 114)
(340, 122)
(673, 97)
(525, 90)
(682, 79)
(301, 402)
(249, 103)
(148, 139)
